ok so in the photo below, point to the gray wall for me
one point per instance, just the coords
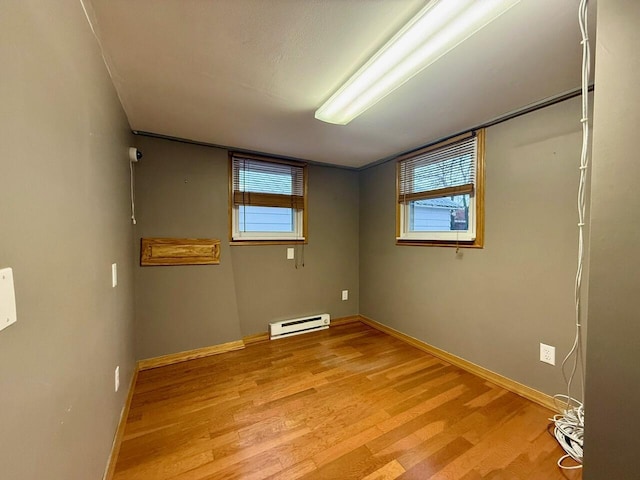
(179, 193)
(182, 191)
(270, 288)
(64, 217)
(491, 306)
(613, 376)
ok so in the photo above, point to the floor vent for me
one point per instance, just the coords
(297, 326)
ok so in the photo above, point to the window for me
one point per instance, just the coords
(268, 199)
(441, 194)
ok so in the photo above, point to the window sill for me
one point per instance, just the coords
(440, 243)
(267, 242)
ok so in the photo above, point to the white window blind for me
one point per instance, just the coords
(442, 172)
(266, 183)
(268, 198)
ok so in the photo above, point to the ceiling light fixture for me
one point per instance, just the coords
(438, 28)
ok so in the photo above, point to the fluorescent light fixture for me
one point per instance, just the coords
(438, 28)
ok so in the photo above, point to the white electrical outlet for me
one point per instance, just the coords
(114, 275)
(345, 294)
(547, 354)
(117, 377)
(290, 253)
(8, 313)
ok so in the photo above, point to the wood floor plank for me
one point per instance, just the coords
(354, 465)
(430, 466)
(337, 449)
(388, 472)
(166, 466)
(295, 471)
(345, 403)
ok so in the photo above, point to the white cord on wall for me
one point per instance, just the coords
(133, 194)
(569, 426)
(134, 156)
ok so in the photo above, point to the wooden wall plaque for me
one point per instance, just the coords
(179, 251)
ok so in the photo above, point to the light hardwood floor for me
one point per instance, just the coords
(345, 403)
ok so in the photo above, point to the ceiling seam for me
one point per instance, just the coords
(547, 102)
(503, 118)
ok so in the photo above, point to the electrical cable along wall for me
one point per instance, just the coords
(569, 425)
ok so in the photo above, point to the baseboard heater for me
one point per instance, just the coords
(297, 326)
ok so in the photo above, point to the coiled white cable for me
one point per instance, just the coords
(569, 426)
(569, 430)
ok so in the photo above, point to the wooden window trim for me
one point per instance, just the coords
(478, 242)
(268, 200)
(304, 200)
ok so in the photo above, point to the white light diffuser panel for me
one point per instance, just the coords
(7, 299)
(435, 30)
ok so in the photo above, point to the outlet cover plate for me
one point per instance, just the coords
(547, 354)
(345, 294)
(8, 314)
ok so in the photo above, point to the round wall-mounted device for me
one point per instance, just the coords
(134, 154)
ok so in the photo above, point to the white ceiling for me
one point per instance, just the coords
(251, 73)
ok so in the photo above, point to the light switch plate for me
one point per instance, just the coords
(345, 294)
(8, 314)
(290, 253)
(114, 275)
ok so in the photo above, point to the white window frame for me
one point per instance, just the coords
(299, 233)
(474, 235)
(295, 235)
(450, 235)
